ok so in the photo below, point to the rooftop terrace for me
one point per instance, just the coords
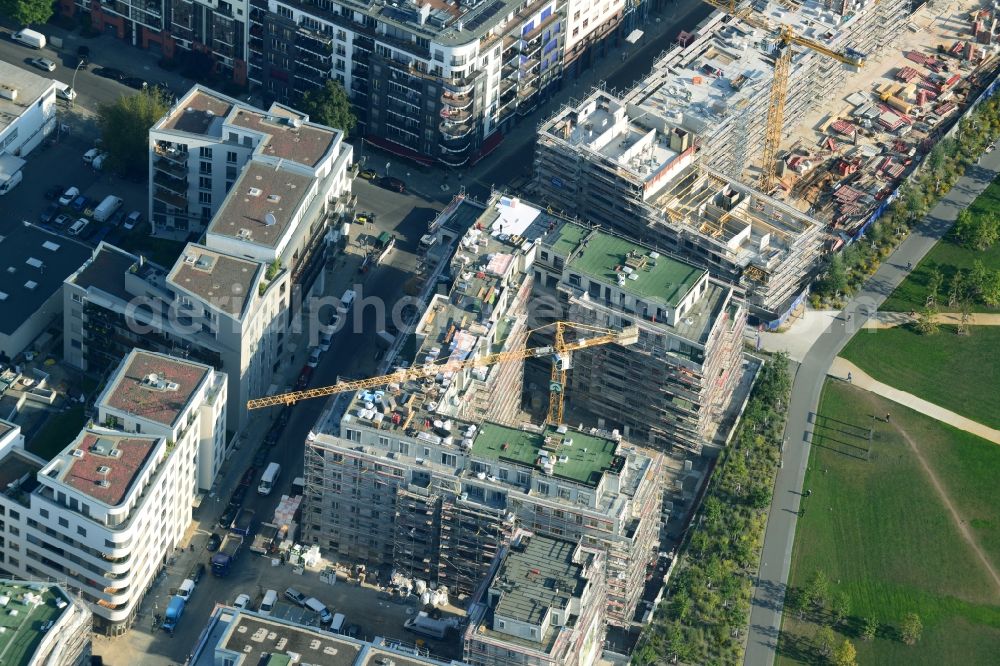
(102, 465)
(201, 113)
(27, 610)
(224, 281)
(261, 204)
(288, 136)
(153, 386)
(571, 455)
(537, 575)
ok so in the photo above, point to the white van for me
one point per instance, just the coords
(29, 37)
(267, 603)
(268, 478)
(345, 301)
(337, 624)
(186, 589)
(9, 184)
(318, 607)
(107, 208)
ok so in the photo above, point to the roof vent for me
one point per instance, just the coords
(103, 469)
(34, 263)
(3, 296)
(77, 453)
(190, 259)
(244, 234)
(114, 453)
(274, 198)
(49, 245)
(104, 483)
(254, 191)
(30, 284)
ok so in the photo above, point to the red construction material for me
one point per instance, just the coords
(907, 74)
(917, 57)
(844, 127)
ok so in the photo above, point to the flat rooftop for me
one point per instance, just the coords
(255, 637)
(203, 112)
(222, 280)
(153, 386)
(24, 609)
(18, 475)
(537, 575)
(106, 271)
(605, 257)
(288, 136)
(261, 204)
(575, 456)
(33, 265)
(96, 470)
(5, 427)
(29, 86)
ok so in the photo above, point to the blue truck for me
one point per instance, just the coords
(173, 614)
(226, 555)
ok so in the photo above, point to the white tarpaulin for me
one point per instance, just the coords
(634, 36)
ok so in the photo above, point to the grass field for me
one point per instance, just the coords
(57, 433)
(880, 532)
(948, 257)
(957, 372)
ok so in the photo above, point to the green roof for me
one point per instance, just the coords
(586, 458)
(22, 631)
(661, 278)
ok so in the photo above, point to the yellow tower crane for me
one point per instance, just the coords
(560, 353)
(785, 37)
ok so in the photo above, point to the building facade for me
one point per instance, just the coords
(541, 605)
(673, 387)
(105, 513)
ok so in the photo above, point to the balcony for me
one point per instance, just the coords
(455, 146)
(459, 85)
(170, 168)
(453, 160)
(173, 154)
(173, 184)
(455, 115)
(456, 131)
(169, 198)
(456, 101)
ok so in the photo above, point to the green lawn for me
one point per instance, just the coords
(948, 257)
(960, 373)
(57, 433)
(879, 531)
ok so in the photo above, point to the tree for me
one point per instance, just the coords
(870, 630)
(835, 281)
(840, 607)
(125, 127)
(934, 286)
(826, 641)
(27, 12)
(329, 106)
(845, 654)
(817, 587)
(926, 325)
(911, 629)
(956, 290)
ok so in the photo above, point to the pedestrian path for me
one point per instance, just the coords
(893, 319)
(842, 368)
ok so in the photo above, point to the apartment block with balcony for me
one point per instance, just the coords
(217, 27)
(142, 23)
(674, 386)
(156, 394)
(206, 146)
(629, 169)
(104, 514)
(430, 81)
(542, 604)
(213, 308)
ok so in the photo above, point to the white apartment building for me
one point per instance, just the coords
(145, 396)
(103, 515)
(224, 311)
(58, 633)
(210, 151)
(27, 116)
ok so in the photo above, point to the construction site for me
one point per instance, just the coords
(728, 154)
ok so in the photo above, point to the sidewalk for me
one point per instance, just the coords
(841, 367)
(894, 319)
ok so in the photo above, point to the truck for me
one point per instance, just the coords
(107, 208)
(263, 541)
(425, 625)
(383, 246)
(242, 523)
(226, 555)
(173, 614)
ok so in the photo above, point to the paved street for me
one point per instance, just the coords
(769, 595)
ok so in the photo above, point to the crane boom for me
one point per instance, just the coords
(628, 335)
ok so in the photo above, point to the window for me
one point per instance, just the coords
(404, 448)
(204, 182)
(81, 530)
(523, 478)
(231, 156)
(354, 435)
(502, 474)
(205, 167)
(44, 513)
(564, 493)
(205, 197)
(284, 11)
(384, 441)
(449, 459)
(543, 488)
(545, 255)
(63, 522)
(205, 152)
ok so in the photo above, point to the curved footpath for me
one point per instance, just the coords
(769, 592)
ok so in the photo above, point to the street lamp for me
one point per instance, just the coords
(387, 165)
(72, 86)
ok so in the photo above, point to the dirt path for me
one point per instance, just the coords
(955, 516)
(889, 319)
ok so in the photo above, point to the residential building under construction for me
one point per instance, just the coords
(628, 169)
(689, 356)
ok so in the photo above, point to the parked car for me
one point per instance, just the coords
(226, 519)
(79, 204)
(325, 340)
(249, 476)
(236, 499)
(365, 218)
(110, 73)
(295, 596)
(43, 63)
(135, 82)
(132, 219)
(369, 174)
(82, 56)
(91, 155)
(49, 214)
(77, 228)
(314, 356)
(214, 541)
(61, 220)
(267, 603)
(67, 94)
(242, 601)
(68, 196)
(352, 630)
(197, 571)
(390, 183)
(304, 376)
